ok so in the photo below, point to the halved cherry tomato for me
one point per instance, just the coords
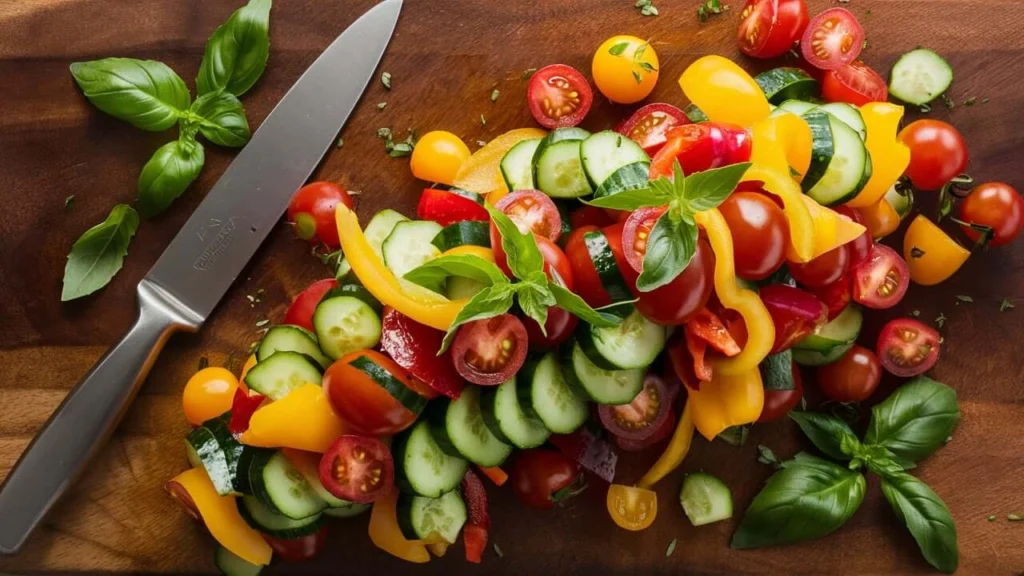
(881, 281)
(996, 205)
(778, 403)
(852, 378)
(587, 282)
(833, 39)
(630, 507)
(625, 69)
(861, 247)
(794, 312)
(700, 147)
(636, 232)
(938, 153)
(437, 157)
(208, 394)
(676, 302)
(666, 430)
(907, 347)
(823, 270)
(298, 549)
(760, 233)
(542, 478)
(769, 28)
(930, 253)
(642, 417)
(414, 347)
(649, 125)
(589, 216)
(300, 312)
(532, 211)
(559, 96)
(363, 403)
(559, 327)
(490, 351)
(856, 83)
(450, 206)
(358, 469)
(836, 296)
(556, 265)
(311, 210)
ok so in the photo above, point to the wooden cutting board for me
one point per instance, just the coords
(445, 59)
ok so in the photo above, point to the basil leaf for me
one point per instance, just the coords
(145, 93)
(706, 190)
(570, 302)
(99, 253)
(927, 518)
(490, 302)
(630, 199)
(534, 300)
(237, 53)
(168, 173)
(520, 248)
(629, 188)
(669, 250)
(915, 420)
(221, 119)
(808, 498)
(884, 463)
(827, 433)
(435, 271)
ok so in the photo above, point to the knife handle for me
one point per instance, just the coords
(86, 418)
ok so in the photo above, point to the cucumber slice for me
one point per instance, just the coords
(705, 499)
(607, 151)
(607, 267)
(848, 115)
(376, 232)
(840, 165)
(815, 358)
(420, 517)
(308, 464)
(409, 245)
(277, 483)
(517, 165)
(629, 177)
(467, 232)
(347, 511)
(289, 338)
(459, 429)
(842, 330)
(257, 515)
(231, 565)
(559, 135)
(344, 324)
(633, 344)
(798, 107)
(194, 461)
(781, 84)
(281, 373)
(777, 371)
(394, 387)
(558, 170)
(421, 467)
(506, 419)
(544, 393)
(920, 76)
(459, 287)
(695, 114)
(602, 386)
(218, 453)
(356, 291)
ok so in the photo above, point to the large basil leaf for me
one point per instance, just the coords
(99, 253)
(146, 93)
(521, 251)
(927, 518)
(436, 271)
(221, 119)
(915, 420)
(808, 498)
(670, 248)
(168, 173)
(706, 190)
(237, 53)
(830, 434)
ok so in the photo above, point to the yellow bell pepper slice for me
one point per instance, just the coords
(801, 226)
(471, 250)
(482, 172)
(221, 517)
(831, 229)
(782, 142)
(303, 420)
(674, 453)
(931, 254)
(386, 534)
(889, 156)
(728, 400)
(760, 328)
(724, 91)
(422, 306)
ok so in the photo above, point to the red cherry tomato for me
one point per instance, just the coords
(852, 378)
(555, 262)
(541, 477)
(363, 403)
(769, 28)
(907, 347)
(300, 312)
(679, 300)
(636, 232)
(641, 418)
(414, 347)
(614, 235)
(298, 549)
(881, 281)
(856, 83)
(358, 469)
(823, 270)
(996, 205)
(662, 433)
(559, 96)
(794, 312)
(559, 327)
(649, 125)
(490, 351)
(587, 282)
(778, 403)
(760, 234)
(938, 153)
(450, 206)
(532, 211)
(589, 216)
(861, 247)
(311, 210)
(833, 39)
(700, 147)
(836, 296)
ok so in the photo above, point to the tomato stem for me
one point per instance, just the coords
(577, 487)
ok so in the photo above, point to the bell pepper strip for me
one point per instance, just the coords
(589, 451)
(481, 173)
(674, 453)
(728, 400)
(478, 520)
(760, 330)
(434, 311)
(220, 515)
(798, 216)
(889, 156)
(782, 142)
(446, 207)
(712, 330)
(495, 474)
(243, 406)
(303, 420)
(698, 348)
(931, 254)
(724, 91)
(387, 535)
(831, 229)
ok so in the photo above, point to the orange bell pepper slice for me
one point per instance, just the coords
(303, 420)
(481, 173)
(632, 508)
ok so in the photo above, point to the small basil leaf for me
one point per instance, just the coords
(168, 173)
(629, 199)
(927, 518)
(490, 302)
(570, 302)
(145, 93)
(236, 55)
(670, 247)
(520, 248)
(534, 300)
(99, 253)
(221, 119)
(915, 420)
(706, 190)
(433, 272)
(828, 433)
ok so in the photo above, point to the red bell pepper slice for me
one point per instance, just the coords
(712, 330)
(478, 523)
(682, 361)
(698, 348)
(446, 207)
(243, 406)
(414, 346)
(795, 313)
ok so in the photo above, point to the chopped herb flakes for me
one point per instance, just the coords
(69, 203)
(766, 456)
(382, 105)
(709, 8)
(963, 298)
(992, 518)
(940, 321)
(385, 79)
(497, 551)
(494, 95)
(528, 72)
(262, 323)
(637, 77)
(948, 101)
(481, 143)
(925, 108)
(1014, 517)
(204, 362)
(671, 547)
(384, 133)
(648, 9)
(970, 101)
(916, 313)
(1005, 305)
(397, 150)
(483, 121)
(984, 101)
(341, 142)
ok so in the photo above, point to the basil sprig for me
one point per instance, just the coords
(99, 253)
(811, 497)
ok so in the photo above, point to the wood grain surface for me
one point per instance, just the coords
(445, 59)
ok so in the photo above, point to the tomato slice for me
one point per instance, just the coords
(298, 549)
(533, 211)
(642, 417)
(587, 281)
(630, 507)
(907, 347)
(490, 351)
(358, 469)
(881, 281)
(769, 28)
(559, 96)
(415, 347)
(649, 125)
(833, 39)
(666, 430)
(856, 83)
(448, 207)
(300, 312)
(372, 393)
(636, 232)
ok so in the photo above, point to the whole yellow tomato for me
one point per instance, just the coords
(438, 156)
(208, 394)
(625, 69)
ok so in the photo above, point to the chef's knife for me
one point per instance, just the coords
(199, 266)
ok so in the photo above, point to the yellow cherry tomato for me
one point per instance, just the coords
(632, 508)
(438, 156)
(625, 69)
(881, 219)
(931, 254)
(724, 91)
(208, 394)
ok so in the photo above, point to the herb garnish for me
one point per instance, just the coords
(382, 105)
(709, 8)
(483, 121)
(671, 547)
(494, 95)
(1014, 517)
(970, 101)
(963, 298)
(385, 79)
(646, 7)
(341, 142)
(69, 203)
(948, 101)
(925, 108)
(1005, 305)
(99, 253)
(497, 551)
(618, 49)
(766, 456)
(528, 72)
(940, 320)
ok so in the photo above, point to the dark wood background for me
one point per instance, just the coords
(445, 59)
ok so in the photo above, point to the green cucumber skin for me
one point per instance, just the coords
(311, 528)
(632, 176)
(488, 397)
(354, 290)
(524, 385)
(469, 232)
(777, 372)
(436, 415)
(607, 266)
(787, 83)
(695, 114)
(822, 148)
(400, 392)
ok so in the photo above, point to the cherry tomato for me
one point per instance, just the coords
(881, 281)
(778, 403)
(414, 347)
(861, 247)
(700, 147)
(555, 262)
(300, 312)
(823, 270)
(676, 302)
(836, 296)
(533, 211)
(625, 69)
(636, 232)
(559, 327)
(542, 478)
(437, 157)
(490, 351)
(589, 216)
(298, 549)
(833, 39)
(881, 219)
(996, 205)
(358, 469)
(632, 508)
(208, 394)
(938, 153)
(769, 28)
(641, 418)
(649, 125)
(852, 378)
(760, 234)
(559, 96)
(856, 83)
(664, 431)
(907, 347)
(311, 210)
(363, 403)
(587, 282)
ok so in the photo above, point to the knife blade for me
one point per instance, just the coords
(199, 266)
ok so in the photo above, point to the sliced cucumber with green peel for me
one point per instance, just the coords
(355, 291)
(840, 164)
(347, 511)
(344, 324)
(376, 232)
(259, 516)
(410, 245)
(291, 339)
(465, 233)
(507, 420)
(558, 170)
(798, 107)
(458, 427)
(544, 394)
(848, 115)
(705, 499)
(920, 76)
(695, 114)
(459, 287)
(607, 151)
(607, 267)
(386, 380)
(841, 331)
(420, 517)
(282, 372)
(517, 165)
(632, 176)
(282, 488)
(634, 343)
(614, 387)
(815, 358)
(902, 201)
(421, 467)
(781, 84)
(231, 565)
